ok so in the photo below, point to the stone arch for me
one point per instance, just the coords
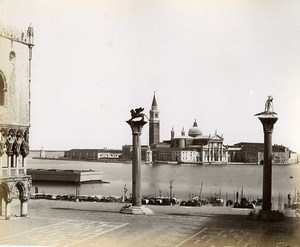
(14, 190)
(4, 198)
(3, 88)
(21, 188)
(4, 191)
(24, 191)
(3, 131)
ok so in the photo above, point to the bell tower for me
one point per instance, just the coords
(154, 123)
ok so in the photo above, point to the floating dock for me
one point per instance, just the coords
(69, 176)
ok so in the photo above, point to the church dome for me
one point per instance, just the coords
(195, 130)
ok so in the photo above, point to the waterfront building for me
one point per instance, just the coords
(42, 153)
(15, 78)
(93, 154)
(46, 154)
(146, 153)
(251, 152)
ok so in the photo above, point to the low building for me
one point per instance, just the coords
(251, 152)
(146, 153)
(46, 154)
(67, 176)
(93, 154)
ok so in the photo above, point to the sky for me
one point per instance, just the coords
(210, 60)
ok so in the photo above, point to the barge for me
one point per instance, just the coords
(68, 176)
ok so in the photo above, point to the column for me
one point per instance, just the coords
(24, 164)
(208, 156)
(213, 152)
(7, 209)
(9, 161)
(221, 151)
(18, 165)
(136, 168)
(24, 207)
(268, 122)
(136, 123)
(1, 203)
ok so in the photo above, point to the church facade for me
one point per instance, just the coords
(191, 148)
(15, 78)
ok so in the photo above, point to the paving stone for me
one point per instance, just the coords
(100, 224)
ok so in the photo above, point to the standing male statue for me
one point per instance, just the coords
(269, 109)
(269, 105)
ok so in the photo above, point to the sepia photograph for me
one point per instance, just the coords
(150, 123)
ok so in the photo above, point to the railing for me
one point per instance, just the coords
(13, 172)
(21, 171)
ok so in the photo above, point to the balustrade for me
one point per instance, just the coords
(13, 172)
(4, 172)
(21, 171)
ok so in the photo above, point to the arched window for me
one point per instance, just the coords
(2, 89)
(12, 56)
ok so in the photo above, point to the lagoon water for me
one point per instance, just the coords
(187, 179)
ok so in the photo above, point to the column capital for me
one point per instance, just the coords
(8, 200)
(136, 126)
(268, 122)
(24, 199)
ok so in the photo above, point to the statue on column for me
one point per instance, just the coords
(137, 113)
(269, 109)
(269, 104)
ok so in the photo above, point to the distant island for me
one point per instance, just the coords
(240, 153)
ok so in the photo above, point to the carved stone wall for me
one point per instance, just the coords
(15, 63)
(14, 141)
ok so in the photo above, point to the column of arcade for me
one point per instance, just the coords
(14, 145)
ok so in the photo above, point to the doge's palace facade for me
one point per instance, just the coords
(15, 78)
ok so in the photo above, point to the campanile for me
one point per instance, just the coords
(154, 123)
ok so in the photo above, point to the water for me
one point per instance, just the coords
(187, 179)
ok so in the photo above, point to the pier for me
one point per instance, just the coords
(70, 176)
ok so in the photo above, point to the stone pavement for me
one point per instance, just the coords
(62, 223)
